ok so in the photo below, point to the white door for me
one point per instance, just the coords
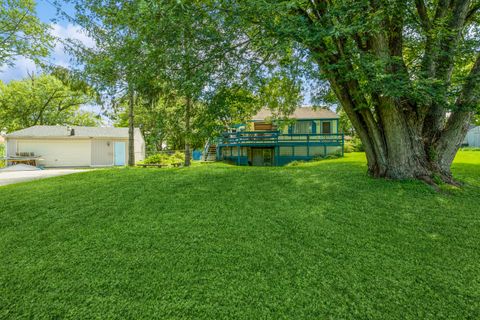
(59, 153)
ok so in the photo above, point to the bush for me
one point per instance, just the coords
(348, 147)
(165, 159)
(2, 154)
(178, 156)
(357, 145)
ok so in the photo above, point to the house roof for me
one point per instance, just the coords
(299, 113)
(64, 132)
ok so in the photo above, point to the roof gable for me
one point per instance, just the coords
(300, 113)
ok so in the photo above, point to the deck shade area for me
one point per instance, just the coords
(303, 140)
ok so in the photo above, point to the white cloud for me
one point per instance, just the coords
(58, 56)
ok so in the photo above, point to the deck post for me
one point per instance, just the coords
(238, 154)
(308, 146)
(277, 153)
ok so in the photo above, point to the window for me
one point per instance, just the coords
(303, 127)
(326, 127)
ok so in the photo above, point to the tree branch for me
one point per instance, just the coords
(423, 14)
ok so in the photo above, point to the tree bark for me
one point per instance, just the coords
(131, 129)
(188, 107)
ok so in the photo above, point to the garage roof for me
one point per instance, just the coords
(299, 113)
(65, 132)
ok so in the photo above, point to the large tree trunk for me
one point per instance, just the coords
(395, 143)
(131, 129)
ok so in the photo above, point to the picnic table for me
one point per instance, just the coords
(32, 161)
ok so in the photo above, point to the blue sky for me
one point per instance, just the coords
(60, 28)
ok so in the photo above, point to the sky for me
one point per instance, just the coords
(60, 28)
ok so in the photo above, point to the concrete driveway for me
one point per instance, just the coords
(11, 177)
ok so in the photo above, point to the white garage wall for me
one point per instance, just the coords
(59, 153)
(102, 152)
(11, 147)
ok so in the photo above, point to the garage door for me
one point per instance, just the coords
(59, 153)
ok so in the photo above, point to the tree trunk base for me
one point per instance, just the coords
(426, 171)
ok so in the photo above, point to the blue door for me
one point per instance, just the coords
(119, 153)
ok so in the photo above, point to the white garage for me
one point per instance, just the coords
(60, 146)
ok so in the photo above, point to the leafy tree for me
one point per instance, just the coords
(21, 33)
(405, 72)
(162, 48)
(228, 106)
(42, 100)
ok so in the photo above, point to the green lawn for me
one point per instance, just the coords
(317, 241)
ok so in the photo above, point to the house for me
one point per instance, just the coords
(472, 139)
(60, 146)
(307, 133)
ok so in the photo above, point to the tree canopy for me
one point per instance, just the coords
(43, 100)
(21, 32)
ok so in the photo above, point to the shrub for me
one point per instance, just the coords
(158, 158)
(348, 147)
(165, 159)
(178, 156)
(2, 154)
(357, 145)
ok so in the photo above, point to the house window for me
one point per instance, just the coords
(303, 127)
(326, 127)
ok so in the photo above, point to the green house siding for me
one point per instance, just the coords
(311, 126)
(302, 140)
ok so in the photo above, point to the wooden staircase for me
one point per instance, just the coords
(209, 153)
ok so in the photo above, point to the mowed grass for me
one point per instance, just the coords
(317, 241)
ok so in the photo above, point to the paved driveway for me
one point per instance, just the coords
(11, 177)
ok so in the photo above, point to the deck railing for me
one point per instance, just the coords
(275, 137)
